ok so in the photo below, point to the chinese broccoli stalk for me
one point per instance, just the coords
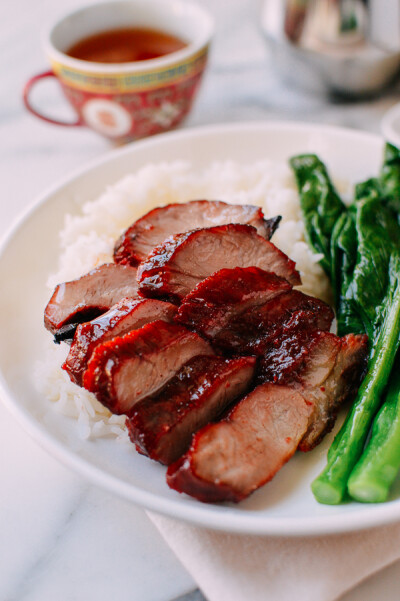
(360, 248)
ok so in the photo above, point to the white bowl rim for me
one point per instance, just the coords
(371, 515)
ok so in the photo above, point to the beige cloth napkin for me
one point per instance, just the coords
(231, 567)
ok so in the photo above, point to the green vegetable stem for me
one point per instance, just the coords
(331, 485)
(374, 474)
(344, 256)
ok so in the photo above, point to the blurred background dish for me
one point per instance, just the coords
(350, 47)
(391, 125)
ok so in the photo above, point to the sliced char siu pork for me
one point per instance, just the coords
(152, 229)
(162, 426)
(227, 294)
(329, 387)
(287, 351)
(127, 315)
(328, 367)
(246, 310)
(87, 297)
(175, 267)
(229, 460)
(126, 369)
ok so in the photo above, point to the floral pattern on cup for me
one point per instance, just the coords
(137, 114)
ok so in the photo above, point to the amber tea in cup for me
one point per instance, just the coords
(126, 45)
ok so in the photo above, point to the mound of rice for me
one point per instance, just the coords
(88, 239)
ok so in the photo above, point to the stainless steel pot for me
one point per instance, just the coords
(346, 46)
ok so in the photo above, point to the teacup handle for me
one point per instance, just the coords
(27, 89)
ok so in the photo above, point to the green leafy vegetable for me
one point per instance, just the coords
(320, 203)
(368, 189)
(331, 485)
(361, 255)
(378, 237)
(389, 179)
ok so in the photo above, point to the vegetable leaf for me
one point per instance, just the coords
(344, 253)
(389, 178)
(378, 237)
(320, 204)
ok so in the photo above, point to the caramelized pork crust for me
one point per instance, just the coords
(152, 229)
(328, 367)
(126, 369)
(175, 267)
(162, 426)
(334, 370)
(248, 310)
(127, 315)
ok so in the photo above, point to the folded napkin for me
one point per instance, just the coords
(231, 567)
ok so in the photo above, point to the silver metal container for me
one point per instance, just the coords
(349, 47)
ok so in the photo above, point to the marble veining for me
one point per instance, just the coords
(61, 538)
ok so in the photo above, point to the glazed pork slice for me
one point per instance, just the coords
(245, 310)
(328, 368)
(162, 426)
(127, 315)
(152, 229)
(275, 322)
(331, 382)
(87, 297)
(126, 369)
(284, 361)
(175, 267)
(219, 299)
(228, 460)
(285, 353)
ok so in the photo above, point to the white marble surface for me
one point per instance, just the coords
(61, 538)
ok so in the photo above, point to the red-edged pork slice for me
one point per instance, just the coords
(288, 356)
(162, 426)
(330, 369)
(219, 299)
(228, 460)
(126, 369)
(293, 314)
(175, 267)
(334, 370)
(247, 310)
(89, 296)
(287, 352)
(127, 315)
(152, 229)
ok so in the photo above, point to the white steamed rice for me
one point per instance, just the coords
(87, 240)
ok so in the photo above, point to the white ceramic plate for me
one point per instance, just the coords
(29, 253)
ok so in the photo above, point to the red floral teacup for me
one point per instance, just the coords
(125, 101)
